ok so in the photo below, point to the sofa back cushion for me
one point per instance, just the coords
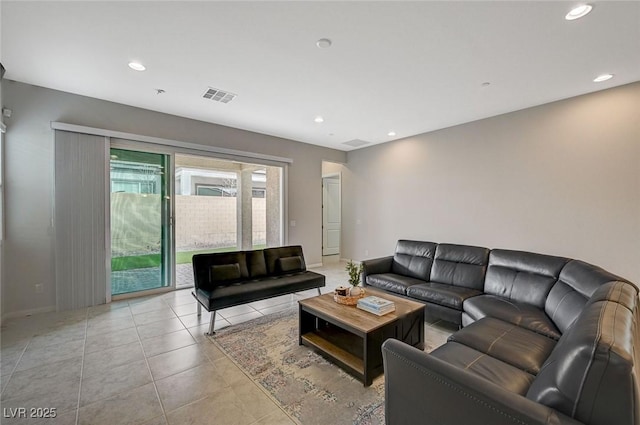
(225, 273)
(284, 259)
(460, 265)
(522, 276)
(413, 259)
(219, 269)
(577, 283)
(591, 374)
(256, 264)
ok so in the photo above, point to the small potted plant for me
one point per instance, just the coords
(354, 270)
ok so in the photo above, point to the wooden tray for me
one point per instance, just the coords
(348, 300)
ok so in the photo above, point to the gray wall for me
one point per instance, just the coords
(2, 297)
(331, 168)
(561, 178)
(29, 173)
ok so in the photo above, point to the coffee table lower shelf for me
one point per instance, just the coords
(339, 345)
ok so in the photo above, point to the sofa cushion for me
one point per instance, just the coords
(413, 259)
(392, 282)
(510, 343)
(520, 314)
(485, 366)
(224, 274)
(522, 276)
(290, 264)
(590, 375)
(577, 283)
(239, 293)
(460, 265)
(256, 263)
(271, 256)
(443, 294)
(435, 312)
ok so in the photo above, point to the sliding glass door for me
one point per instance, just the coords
(223, 205)
(167, 207)
(140, 221)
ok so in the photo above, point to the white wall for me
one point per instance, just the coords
(29, 172)
(561, 178)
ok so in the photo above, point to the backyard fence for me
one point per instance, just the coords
(200, 222)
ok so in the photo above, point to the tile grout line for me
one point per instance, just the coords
(146, 361)
(16, 366)
(166, 301)
(143, 354)
(246, 374)
(211, 361)
(84, 349)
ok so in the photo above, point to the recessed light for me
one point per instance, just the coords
(391, 133)
(323, 43)
(486, 84)
(578, 12)
(603, 77)
(137, 66)
(318, 119)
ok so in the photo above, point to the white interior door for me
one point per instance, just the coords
(331, 213)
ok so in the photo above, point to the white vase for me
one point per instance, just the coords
(355, 291)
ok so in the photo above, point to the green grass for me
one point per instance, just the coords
(134, 262)
(153, 260)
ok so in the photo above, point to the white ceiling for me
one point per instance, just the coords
(410, 67)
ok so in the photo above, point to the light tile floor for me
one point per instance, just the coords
(143, 361)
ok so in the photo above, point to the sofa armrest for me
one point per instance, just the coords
(420, 388)
(376, 266)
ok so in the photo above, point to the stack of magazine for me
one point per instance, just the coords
(376, 305)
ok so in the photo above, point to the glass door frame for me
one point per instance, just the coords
(170, 239)
(171, 150)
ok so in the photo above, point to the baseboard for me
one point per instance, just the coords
(28, 312)
(341, 260)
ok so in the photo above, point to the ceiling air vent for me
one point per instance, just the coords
(356, 143)
(219, 95)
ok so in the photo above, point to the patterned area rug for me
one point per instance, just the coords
(307, 386)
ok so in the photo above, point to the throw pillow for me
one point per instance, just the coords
(290, 264)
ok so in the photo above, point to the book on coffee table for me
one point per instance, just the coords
(376, 305)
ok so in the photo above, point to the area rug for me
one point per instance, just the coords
(308, 387)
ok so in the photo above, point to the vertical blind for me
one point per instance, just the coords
(81, 200)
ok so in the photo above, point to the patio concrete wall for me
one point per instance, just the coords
(201, 222)
(211, 222)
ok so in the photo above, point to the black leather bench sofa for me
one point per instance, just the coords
(545, 340)
(228, 279)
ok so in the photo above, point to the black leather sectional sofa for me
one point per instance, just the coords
(545, 339)
(227, 279)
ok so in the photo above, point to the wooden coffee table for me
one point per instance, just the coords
(352, 338)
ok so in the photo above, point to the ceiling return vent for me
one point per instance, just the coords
(219, 95)
(356, 143)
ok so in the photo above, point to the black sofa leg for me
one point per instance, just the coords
(211, 323)
(319, 293)
(199, 309)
